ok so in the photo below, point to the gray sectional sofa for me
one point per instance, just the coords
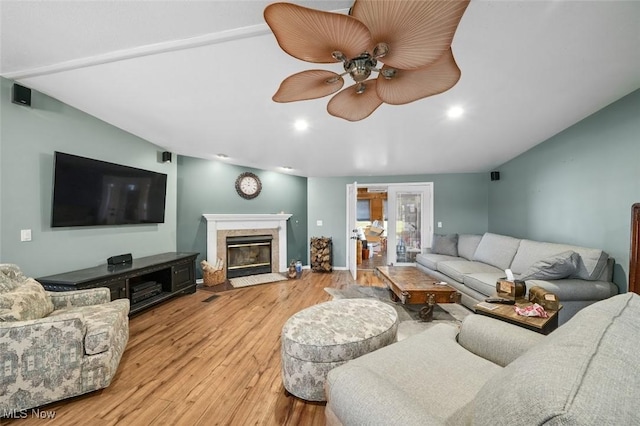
(494, 373)
(579, 276)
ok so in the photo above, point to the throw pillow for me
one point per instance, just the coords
(445, 244)
(28, 301)
(7, 284)
(12, 271)
(555, 267)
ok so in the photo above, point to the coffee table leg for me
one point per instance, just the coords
(426, 313)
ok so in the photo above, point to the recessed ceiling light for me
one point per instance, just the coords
(301, 125)
(455, 112)
(222, 156)
(287, 168)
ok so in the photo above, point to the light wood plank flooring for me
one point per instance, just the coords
(195, 362)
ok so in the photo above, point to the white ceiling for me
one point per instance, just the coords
(196, 78)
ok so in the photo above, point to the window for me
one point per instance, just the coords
(363, 210)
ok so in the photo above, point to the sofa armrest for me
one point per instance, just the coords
(570, 289)
(495, 340)
(77, 298)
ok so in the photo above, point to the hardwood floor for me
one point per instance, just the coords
(378, 259)
(195, 362)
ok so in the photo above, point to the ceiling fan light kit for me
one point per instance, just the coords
(411, 38)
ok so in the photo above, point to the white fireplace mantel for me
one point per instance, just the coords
(222, 222)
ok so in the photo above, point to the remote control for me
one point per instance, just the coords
(500, 300)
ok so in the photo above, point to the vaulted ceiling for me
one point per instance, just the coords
(196, 78)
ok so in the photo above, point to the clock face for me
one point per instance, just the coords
(248, 185)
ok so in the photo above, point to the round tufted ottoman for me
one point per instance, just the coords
(326, 335)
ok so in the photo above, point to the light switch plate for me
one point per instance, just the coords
(25, 235)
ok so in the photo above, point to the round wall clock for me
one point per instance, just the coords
(248, 185)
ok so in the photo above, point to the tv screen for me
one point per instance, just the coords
(89, 192)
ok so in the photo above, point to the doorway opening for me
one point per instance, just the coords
(372, 222)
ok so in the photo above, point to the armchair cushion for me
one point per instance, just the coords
(27, 301)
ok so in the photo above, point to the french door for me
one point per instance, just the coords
(410, 217)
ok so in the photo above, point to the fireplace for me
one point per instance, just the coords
(248, 255)
(221, 226)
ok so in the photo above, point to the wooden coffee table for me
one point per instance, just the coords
(411, 286)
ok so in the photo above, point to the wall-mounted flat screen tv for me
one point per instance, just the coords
(89, 192)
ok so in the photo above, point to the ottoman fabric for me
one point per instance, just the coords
(326, 335)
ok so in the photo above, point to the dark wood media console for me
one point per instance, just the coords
(172, 273)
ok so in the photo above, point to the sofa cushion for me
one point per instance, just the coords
(556, 267)
(497, 250)
(585, 372)
(457, 269)
(590, 265)
(103, 322)
(28, 301)
(467, 245)
(431, 260)
(483, 282)
(445, 244)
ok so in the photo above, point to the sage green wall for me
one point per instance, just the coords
(28, 139)
(460, 203)
(208, 186)
(577, 187)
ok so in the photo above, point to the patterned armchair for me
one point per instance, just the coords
(56, 345)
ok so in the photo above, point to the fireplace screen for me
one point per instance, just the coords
(248, 255)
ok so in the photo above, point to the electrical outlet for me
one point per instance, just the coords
(318, 223)
(439, 224)
(25, 235)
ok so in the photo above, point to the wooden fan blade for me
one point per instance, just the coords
(417, 32)
(310, 84)
(312, 35)
(410, 85)
(352, 106)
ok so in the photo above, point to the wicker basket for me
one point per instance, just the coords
(211, 278)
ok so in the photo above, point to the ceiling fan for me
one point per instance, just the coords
(412, 39)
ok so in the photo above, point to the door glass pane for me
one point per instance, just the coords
(408, 226)
(363, 210)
